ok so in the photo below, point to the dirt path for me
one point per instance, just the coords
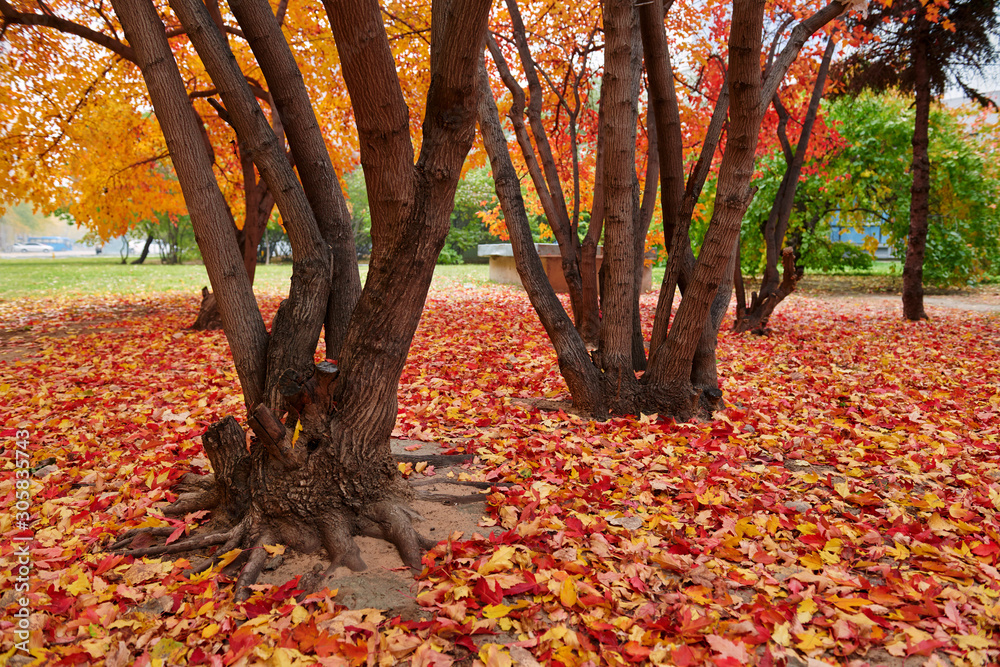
(887, 290)
(964, 302)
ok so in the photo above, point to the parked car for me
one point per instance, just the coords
(31, 246)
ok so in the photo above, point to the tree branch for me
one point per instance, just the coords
(783, 116)
(49, 20)
(803, 31)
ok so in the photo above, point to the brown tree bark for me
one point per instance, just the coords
(319, 180)
(588, 320)
(916, 241)
(545, 175)
(642, 222)
(683, 345)
(670, 369)
(674, 197)
(257, 207)
(622, 65)
(300, 318)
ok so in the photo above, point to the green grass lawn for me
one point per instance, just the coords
(107, 275)
(100, 275)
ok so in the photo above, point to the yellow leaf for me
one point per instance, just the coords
(698, 594)
(812, 561)
(899, 552)
(556, 632)
(299, 614)
(810, 641)
(164, 648)
(849, 604)
(210, 631)
(81, 585)
(282, 657)
(781, 635)
(939, 524)
(807, 528)
(568, 593)
(496, 610)
(956, 511)
(227, 558)
(973, 641)
(295, 434)
(842, 489)
(274, 549)
(501, 560)
(493, 655)
(933, 501)
(806, 609)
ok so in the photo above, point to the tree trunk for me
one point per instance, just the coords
(677, 202)
(669, 376)
(916, 241)
(543, 169)
(145, 250)
(588, 320)
(763, 303)
(622, 66)
(300, 318)
(642, 222)
(580, 374)
(319, 180)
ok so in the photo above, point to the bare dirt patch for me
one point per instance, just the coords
(387, 584)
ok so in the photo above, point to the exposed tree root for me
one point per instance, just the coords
(129, 536)
(194, 502)
(475, 485)
(254, 566)
(190, 482)
(433, 459)
(180, 546)
(298, 487)
(447, 499)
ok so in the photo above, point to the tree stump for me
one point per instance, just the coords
(209, 318)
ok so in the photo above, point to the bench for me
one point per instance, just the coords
(503, 270)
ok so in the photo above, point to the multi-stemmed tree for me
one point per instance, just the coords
(331, 476)
(680, 379)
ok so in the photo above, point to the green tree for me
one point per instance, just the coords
(921, 46)
(863, 184)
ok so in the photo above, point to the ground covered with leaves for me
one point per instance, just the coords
(842, 509)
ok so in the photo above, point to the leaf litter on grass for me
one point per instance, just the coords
(841, 509)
